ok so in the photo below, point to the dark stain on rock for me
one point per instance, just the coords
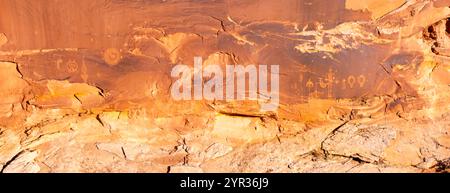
(447, 26)
(403, 59)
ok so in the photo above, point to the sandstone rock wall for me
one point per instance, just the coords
(85, 86)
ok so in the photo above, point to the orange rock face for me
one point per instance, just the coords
(86, 86)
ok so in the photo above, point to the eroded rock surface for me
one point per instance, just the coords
(364, 86)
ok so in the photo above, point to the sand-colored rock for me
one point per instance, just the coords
(376, 7)
(364, 86)
(3, 39)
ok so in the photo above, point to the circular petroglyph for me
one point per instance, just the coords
(351, 81)
(3, 39)
(72, 66)
(361, 80)
(112, 56)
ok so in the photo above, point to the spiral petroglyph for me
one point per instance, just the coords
(112, 56)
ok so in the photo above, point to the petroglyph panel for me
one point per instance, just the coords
(87, 86)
